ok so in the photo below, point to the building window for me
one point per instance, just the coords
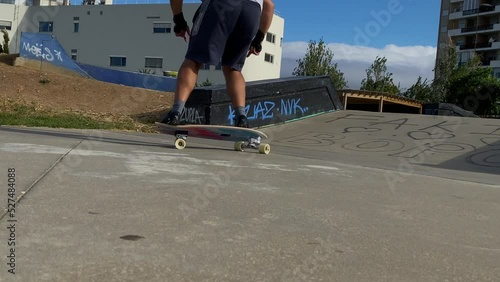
(116, 61)
(76, 26)
(45, 27)
(73, 54)
(156, 63)
(76, 18)
(269, 58)
(5, 25)
(270, 37)
(162, 27)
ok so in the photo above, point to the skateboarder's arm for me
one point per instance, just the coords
(176, 6)
(267, 16)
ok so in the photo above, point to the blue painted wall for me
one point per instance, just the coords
(154, 82)
(46, 48)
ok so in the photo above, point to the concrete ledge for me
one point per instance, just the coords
(268, 101)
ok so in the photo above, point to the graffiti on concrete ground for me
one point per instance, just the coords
(406, 138)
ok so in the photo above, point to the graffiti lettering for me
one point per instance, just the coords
(262, 110)
(435, 148)
(398, 123)
(291, 107)
(266, 109)
(44, 52)
(191, 115)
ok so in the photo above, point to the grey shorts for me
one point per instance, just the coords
(223, 31)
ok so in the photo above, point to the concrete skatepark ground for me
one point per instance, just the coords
(344, 196)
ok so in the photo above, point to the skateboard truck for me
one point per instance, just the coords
(253, 143)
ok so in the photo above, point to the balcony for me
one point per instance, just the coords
(484, 9)
(482, 46)
(476, 46)
(493, 64)
(477, 28)
(484, 29)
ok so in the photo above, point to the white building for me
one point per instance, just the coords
(134, 37)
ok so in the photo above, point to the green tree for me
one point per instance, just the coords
(474, 89)
(421, 90)
(448, 68)
(465, 84)
(317, 62)
(378, 79)
(5, 41)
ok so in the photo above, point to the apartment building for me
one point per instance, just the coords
(131, 37)
(473, 26)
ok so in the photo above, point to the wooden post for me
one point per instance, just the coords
(381, 104)
(345, 101)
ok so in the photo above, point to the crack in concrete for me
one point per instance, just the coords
(18, 199)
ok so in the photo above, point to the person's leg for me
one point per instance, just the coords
(186, 80)
(234, 57)
(205, 46)
(235, 85)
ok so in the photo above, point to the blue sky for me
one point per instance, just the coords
(336, 21)
(357, 31)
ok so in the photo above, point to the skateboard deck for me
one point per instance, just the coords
(243, 137)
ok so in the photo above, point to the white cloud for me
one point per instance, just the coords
(406, 63)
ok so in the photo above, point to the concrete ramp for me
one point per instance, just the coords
(449, 147)
(321, 207)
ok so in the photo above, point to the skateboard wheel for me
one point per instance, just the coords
(180, 144)
(264, 149)
(238, 146)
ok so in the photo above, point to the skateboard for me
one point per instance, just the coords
(242, 137)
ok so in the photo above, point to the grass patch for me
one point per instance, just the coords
(23, 114)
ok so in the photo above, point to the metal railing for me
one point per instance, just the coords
(479, 10)
(473, 46)
(478, 28)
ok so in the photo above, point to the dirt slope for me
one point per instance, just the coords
(69, 93)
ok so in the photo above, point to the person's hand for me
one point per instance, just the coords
(181, 27)
(256, 45)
